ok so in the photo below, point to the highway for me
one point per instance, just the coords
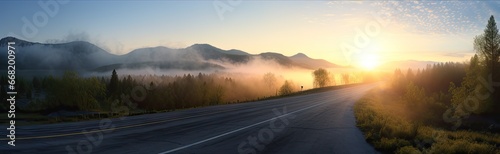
(315, 123)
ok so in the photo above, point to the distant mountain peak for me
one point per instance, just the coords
(306, 61)
(300, 55)
(215, 50)
(9, 38)
(19, 42)
(203, 46)
(236, 52)
(271, 53)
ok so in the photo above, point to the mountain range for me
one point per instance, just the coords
(81, 55)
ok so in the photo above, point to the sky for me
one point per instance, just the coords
(337, 31)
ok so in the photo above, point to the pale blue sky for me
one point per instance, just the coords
(420, 30)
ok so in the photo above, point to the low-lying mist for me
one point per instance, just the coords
(251, 72)
(171, 89)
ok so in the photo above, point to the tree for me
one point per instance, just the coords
(21, 86)
(91, 90)
(217, 95)
(414, 96)
(321, 78)
(3, 93)
(270, 80)
(345, 78)
(466, 90)
(37, 85)
(287, 88)
(487, 46)
(73, 92)
(409, 74)
(113, 84)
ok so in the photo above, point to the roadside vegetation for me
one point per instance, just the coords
(444, 108)
(393, 127)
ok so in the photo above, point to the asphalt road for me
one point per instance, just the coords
(315, 123)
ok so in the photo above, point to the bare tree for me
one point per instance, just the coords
(270, 80)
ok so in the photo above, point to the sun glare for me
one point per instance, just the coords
(369, 61)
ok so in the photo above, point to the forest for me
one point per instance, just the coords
(149, 93)
(445, 108)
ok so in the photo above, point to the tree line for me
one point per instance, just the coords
(162, 92)
(446, 93)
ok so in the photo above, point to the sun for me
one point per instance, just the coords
(368, 61)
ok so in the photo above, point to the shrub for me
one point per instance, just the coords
(386, 144)
(287, 88)
(408, 150)
(462, 146)
(390, 130)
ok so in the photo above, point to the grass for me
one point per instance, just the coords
(28, 118)
(390, 128)
(25, 119)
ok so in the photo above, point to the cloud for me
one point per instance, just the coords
(173, 44)
(439, 17)
(82, 36)
(345, 2)
(111, 45)
(70, 37)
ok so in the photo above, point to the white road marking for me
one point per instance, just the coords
(237, 130)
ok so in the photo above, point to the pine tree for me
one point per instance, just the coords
(113, 84)
(487, 46)
(36, 83)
